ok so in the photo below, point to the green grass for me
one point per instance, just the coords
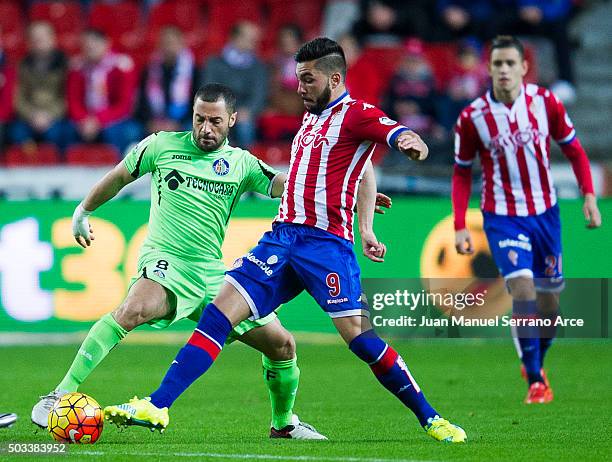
(475, 384)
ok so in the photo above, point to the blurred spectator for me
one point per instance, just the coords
(411, 99)
(362, 78)
(468, 80)
(168, 84)
(339, 17)
(413, 80)
(239, 68)
(283, 84)
(409, 113)
(41, 91)
(101, 93)
(281, 119)
(7, 92)
(480, 18)
(550, 19)
(386, 22)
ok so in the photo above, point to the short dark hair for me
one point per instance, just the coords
(508, 41)
(328, 54)
(213, 92)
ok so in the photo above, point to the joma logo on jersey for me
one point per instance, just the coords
(180, 157)
(314, 138)
(511, 141)
(174, 179)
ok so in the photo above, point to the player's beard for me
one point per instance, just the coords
(322, 101)
(211, 146)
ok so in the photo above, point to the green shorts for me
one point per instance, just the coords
(191, 286)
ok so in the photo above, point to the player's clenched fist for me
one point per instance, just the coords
(81, 229)
(463, 242)
(412, 145)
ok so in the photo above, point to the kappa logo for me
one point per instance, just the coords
(174, 179)
(221, 167)
(336, 301)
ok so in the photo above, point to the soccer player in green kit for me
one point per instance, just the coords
(197, 180)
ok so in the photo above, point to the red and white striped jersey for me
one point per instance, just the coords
(328, 158)
(514, 148)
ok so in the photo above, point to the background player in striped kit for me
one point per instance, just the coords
(510, 127)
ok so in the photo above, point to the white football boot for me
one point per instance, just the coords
(297, 430)
(7, 419)
(40, 411)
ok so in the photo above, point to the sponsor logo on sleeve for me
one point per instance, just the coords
(386, 121)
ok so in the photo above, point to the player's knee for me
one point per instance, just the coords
(522, 288)
(284, 349)
(133, 313)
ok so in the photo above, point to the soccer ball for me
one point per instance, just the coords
(76, 418)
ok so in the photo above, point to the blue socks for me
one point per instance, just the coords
(391, 371)
(195, 358)
(547, 334)
(528, 339)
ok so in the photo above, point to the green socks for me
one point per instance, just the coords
(282, 379)
(102, 337)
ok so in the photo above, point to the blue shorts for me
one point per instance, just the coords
(293, 257)
(527, 246)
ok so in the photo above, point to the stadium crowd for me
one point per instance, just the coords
(88, 79)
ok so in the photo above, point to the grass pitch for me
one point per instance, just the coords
(225, 415)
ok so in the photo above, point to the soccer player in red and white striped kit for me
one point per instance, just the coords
(510, 128)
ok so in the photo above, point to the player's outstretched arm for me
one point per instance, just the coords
(278, 184)
(411, 144)
(366, 204)
(103, 191)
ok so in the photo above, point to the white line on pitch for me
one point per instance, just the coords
(247, 456)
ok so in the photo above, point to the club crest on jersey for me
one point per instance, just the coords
(159, 274)
(221, 167)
